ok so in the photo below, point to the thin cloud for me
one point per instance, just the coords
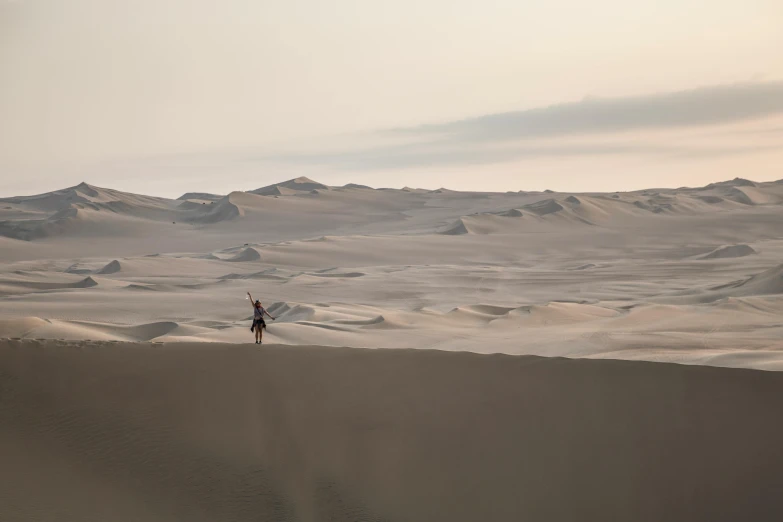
(423, 156)
(499, 138)
(590, 128)
(705, 106)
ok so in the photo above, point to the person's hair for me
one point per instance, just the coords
(258, 302)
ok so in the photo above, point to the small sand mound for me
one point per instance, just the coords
(21, 326)
(457, 228)
(373, 321)
(584, 267)
(730, 251)
(87, 282)
(562, 313)
(512, 213)
(199, 196)
(766, 283)
(339, 274)
(147, 332)
(279, 307)
(223, 210)
(76, 268)
(573, 200)
(470, 316)
(264, 274)
(111, 268)
(150, 288)
(286, 313)
(712, 200)
(739, 196)
(301, 184)
(248, 254)
(488, 309)
(269, 191)
(542, 208)
(736, 182)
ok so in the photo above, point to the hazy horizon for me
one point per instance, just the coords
(169, 96)
(279, 181)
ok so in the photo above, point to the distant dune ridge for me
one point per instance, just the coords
(76, 209)
(301, 184)
(200, 196)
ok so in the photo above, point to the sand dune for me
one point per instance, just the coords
(349, 275)
(768, 282)
(542, 208)
(112, 268)
(87, 282)
(291, 187)
(86, 195)
(248, 254)
(457, 228)
(636, 275)
(199, 197)
(565, 211)
(736, 182)
(140, 401)
(86, 211)
(730, 251)
(754, 196)
(198, 432)
(223, 210)
(39, 328)
(263, 274)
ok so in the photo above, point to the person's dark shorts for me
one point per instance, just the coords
(259, 323)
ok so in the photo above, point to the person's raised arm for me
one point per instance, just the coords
(251, 300)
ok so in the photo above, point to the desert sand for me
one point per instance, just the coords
(437, 355)
(96, 431)
(688, 275)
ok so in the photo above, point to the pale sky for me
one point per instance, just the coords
(169, 96)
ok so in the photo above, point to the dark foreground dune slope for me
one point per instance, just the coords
(206, 432)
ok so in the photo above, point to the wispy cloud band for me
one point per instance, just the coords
(593, 126)
(704, 106)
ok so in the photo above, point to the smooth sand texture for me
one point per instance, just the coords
(690, 275)
(197, 431)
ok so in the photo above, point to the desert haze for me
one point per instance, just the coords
(428, 361)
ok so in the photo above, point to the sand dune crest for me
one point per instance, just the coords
(111, 268)
(730, 251)
(248, 254)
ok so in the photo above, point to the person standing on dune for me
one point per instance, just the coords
(258, 319)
